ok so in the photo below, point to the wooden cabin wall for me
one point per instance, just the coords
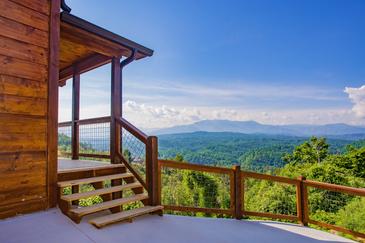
(24, 118)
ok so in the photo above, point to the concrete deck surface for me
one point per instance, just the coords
(53, 227)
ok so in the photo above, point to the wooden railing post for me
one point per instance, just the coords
(302, 201)
(75, 142)
(152, 169)
(237, 192)
(116, 110)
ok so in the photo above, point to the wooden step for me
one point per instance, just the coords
(124, 215)
(77, 196)
(93, 179)
(79, 212)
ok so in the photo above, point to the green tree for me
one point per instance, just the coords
(313, 151)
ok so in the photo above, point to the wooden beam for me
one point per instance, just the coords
(280, 179)
(238, 191)
(336, 188)
(78, 37)
(141, 136)
(52, 114)
(338, 228)
(270, 215)
(91, 62)
(197, 210)
(75, 140)
(94, 29)
(116, 106)
(152, 170)
(196, 167)
(302, 202)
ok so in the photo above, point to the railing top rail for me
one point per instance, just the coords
(65, 124)
(197, 167)
(280, 179)
(336, 188)
(133, 130)
(88, 121)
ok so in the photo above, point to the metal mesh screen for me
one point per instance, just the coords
(269, 197)
(95, 138)
(64, 141)
(337, 208)
(183, 187)
(134, 151)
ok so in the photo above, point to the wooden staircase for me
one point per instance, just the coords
(121, 182)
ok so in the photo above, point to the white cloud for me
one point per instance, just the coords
(154, 116)
(357, 97)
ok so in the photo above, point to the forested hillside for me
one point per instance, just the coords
(333, 161)
(311, 159)
(252, 151)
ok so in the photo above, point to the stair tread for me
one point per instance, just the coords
(106, 205)
(77, 196)
(93, 179)
(124, 215)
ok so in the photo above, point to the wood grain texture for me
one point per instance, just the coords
(25, 33)
(28, 206)
(24, 58)
(13, 142)
(23, 69)
(23, 51)
(24, 15)
(41, 6)
(22, 87)
(52, 108)
(23, 105)
(21, 125)
(21, 161)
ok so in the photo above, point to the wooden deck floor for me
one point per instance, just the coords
(68, 165)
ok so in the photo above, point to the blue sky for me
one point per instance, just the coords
(277, 62)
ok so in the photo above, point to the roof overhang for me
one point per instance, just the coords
(85, 46)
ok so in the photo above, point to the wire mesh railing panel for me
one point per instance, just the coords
(94, 138)
(134, 151)
(264, 196)
(336, 208)
(189, 188)
(64, 141)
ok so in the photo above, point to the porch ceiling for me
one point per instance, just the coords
(84, 46)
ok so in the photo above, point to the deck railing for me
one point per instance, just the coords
(87, 138)
(90, 138)
(139, 153)
(226, 191)
(297, 193)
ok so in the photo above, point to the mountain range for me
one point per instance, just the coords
(253, 127)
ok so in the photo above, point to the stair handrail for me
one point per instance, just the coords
(133, 130)
(151, 160)
(134, 172)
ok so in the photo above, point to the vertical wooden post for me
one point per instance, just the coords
(75, 115)
(52, 109)
(152, 169)
(116, 108)
(243, 195)
(159, 184)
(237, 192)
(302, 202)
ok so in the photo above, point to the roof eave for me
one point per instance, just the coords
(94, 29)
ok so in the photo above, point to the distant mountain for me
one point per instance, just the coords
(338, 130)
